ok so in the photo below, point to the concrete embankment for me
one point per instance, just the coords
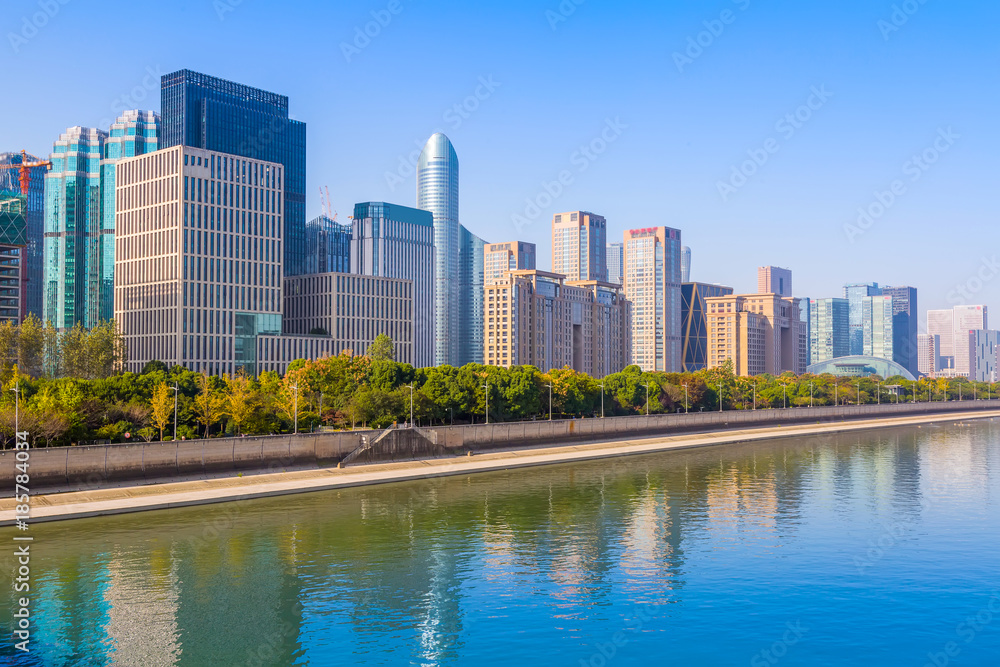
(103, 501)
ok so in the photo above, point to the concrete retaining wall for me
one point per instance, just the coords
(96, 466)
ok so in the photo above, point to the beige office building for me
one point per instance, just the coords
(760, 333)
(579, 245)
(774, 280)
(541, 319)
(653, 285)
(499, 258)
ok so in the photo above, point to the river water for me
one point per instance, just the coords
(873, 548)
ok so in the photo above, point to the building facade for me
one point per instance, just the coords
(877, 327)
(855, 295)
(685, 264)
(328, 246)
(32, 264)
(829, 321)
(653, 286)
(500, 258)
(615, 253)
(774, 280)
(214, 114)
(904, 326)
(13, 241)
(759, 333)
(986, 355)
(928, 357)
(579, 246)
(471, 282)
(968, 319)
(941, 325)
(694, 347)
(538, 318)
(393, 241)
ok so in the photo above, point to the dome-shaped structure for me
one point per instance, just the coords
(859, 366)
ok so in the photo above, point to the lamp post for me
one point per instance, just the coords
(550, 401)
(685, 399)
(411, 404)
(755, 395)
(321, 409)
(486, 386)
(602, 399)
(176, 391)
(720, 397)
(648, 384)
(17, 413)
(295, 405)
(784, 396)
(878, 397)
(836, 394)
(859, 392)
(960, 392)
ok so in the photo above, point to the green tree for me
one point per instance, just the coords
(209, 406)
(382, 349)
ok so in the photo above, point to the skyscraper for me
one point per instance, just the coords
(904, 326)
(928, 358)
(394, 241)
(33, 267)
(774, 280)
(829, 320)
(503, 257)
(471, 302)
(328, 246)
(616, 262)
(653, 285)
(579, 244)
(13, 239)
(879, 335)
(73, 222)
(206, 112)
(855, 295)
(685, 264)
(968, 319)
(437, 192)
(759, 333)
(941, 324)
(695, 323)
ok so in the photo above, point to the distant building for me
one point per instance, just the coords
(694, 347)
(653, 285)
(774, 280)
(503, 257)
(986, 349)
(879, 335)
(904, 326)
(579, 244)
(540, 319)
(32, 265)
(471, 280)
(855, 295)
(828, 329)
(805, 316)
(615, 253)
(218, 115)
(394, 241)
(13, 240)
(941, 323)
(967, 320)
(759, 333)
(685, 264)
(860, 366)
(328, 246)
(928, 357)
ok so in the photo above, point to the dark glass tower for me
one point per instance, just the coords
(32, 276)
(215, 114)
(904, 327)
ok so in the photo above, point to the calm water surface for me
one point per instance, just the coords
(867, 549)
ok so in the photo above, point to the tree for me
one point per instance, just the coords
(163, 406)
(153, 366)
(208, 405)
(242, 399)
(31, 346)
(382, 348)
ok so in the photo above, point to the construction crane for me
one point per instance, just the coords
(24, 175)
(327, 206)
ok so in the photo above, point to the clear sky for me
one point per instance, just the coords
(885, 85)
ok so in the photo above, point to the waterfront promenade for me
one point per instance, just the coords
(104, 501)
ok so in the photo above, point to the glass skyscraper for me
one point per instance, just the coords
(904, 327)
(878, 331)
(695, 324)
(471, 290)
(615, 254)
(829, 325)
(32, 271)
(206, 112)
(855, 295)
(328, 246)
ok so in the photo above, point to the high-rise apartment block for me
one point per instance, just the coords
(214, 114)
(615, 255)
(499, 258)
(653, 285)
(759, 333)
(774, 280)
(394, 241)
(32, 263)
(579, 246)
(541, 319)
(829, 321)
(694, 347)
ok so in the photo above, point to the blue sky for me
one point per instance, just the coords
(557, 76)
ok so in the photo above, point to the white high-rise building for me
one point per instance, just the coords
(967, 320)
(928, 357)
(941, 323)
(685, 264)
(616, 262)
(579, 244)
(653, 285)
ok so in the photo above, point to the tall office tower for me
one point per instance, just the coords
(928, 357)
(759, 333)
(73, 225)
(538, 318)
(218, 115)
(653, 285)
(13, 240)
(579, 244)
(855, 295)
(694, 323)
(437, 192)
(879, 335)
(615, 253)
(805, 317)
(198, 273)
(133, 133)
(32, 266)
(328, 246)
(685, 264)
(904, 326)
(967, 320)
(986, 348)
(503, 257)
(774, 280)
(941, 323)
(471, 302)
(395, 241)
(829, 321)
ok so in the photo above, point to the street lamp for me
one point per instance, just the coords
(648, 385)
(602, 399)
(486, 386)
(810, 394)
(176, 391)
(685, 399)
(411, 404)
(17, 415)
(755, 395)
(720, 397)
(878, 398)
(859, 392)
(836, 393)
(550, 401)
(784, 396)
(295, 406)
